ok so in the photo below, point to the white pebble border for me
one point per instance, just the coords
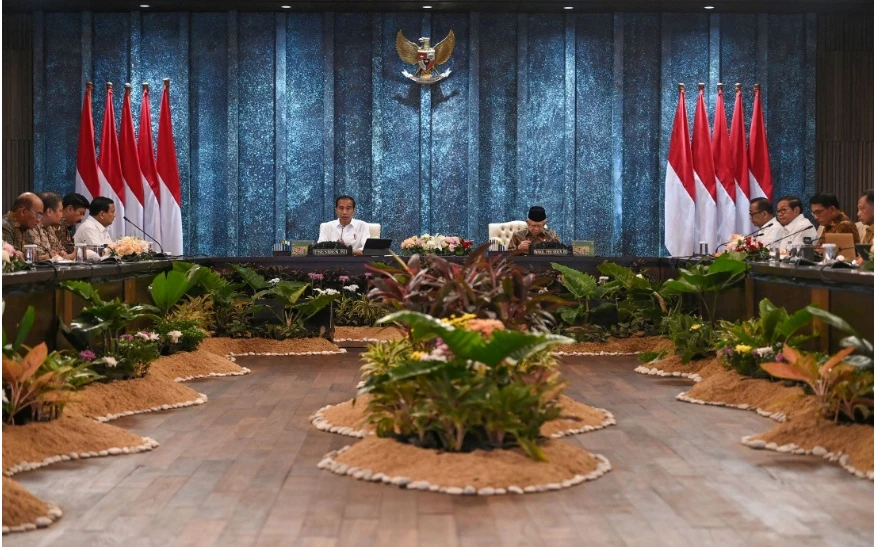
(657, 372)
(591, 353)
(777, 416)
(202, 399)
(148, 444)
(41, 522)
(330, 464)
(820, 451)
(322, 424)
(359, 340)
(232, 356)
(244, 370)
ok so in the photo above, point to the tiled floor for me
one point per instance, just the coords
(240, 470)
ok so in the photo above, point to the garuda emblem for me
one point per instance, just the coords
(426, 57)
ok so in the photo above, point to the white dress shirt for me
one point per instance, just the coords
(797, 224)
(92, 232)
(770, 234)
(354, 234)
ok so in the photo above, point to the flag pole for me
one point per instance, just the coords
(146, 86)
(166, 82)
(128, 89)
(738, 86)
(756, 88)
(701, 86)
(719, 86)
(680, 87)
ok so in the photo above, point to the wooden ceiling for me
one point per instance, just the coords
(525, 6)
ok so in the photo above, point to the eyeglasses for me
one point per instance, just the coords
(782, 210)
(754, 214)
(816, 212)
(35, 213)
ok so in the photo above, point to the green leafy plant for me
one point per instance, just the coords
(198, 309)
(839, 386)
(693, 338)
(585, 291)
(641, 303)
(480, 387)
(488, 287)
(169, 287)
(12, 349)
(648, 357)
(745, 345)
(179, 335)
(296, 308)
(706, 282)
(863, 349)
(357, 311)
(37, 385)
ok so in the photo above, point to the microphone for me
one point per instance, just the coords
(752, 234)
(161, 250)
(793, 234)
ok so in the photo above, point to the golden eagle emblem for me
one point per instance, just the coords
(426, 57)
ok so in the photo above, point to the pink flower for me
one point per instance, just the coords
(127, 337)
(367, 275)
(314, 276)
(86, 355)
(344, 279)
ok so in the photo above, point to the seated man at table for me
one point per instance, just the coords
(768, 228)
(536, 232)
(44, 236)
(825, 209)
(865, 217)
(796, 226)
(26, 212)
(93, 230)
(74, 209)
(346, 229)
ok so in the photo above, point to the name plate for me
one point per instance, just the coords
(329, 252)
(553, 252)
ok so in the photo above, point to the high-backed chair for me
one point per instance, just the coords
(375, 230)
(503, 231)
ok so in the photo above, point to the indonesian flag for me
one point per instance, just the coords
(87, 182)
(739, 153)
(112, 185)
(131, 168)
(706, 183)
(758, 152)
(680, 186)
(723, 168)
(152, 215)
(169, 180)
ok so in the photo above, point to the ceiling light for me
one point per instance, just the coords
(709, 7)
(569, 7)
(285, 7)
(144, 5)
(427, 7)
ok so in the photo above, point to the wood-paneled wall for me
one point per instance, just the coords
(844, 124)
(18, 106)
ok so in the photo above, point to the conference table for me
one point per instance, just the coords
(847, 293)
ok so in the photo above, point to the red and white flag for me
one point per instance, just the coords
(87, 182)
(112, 185)
(706, 183)
(758, 152)
(152, 215)
(680, 186)
(723, 168)
(131, 169)
(169, 180)
(739, 151)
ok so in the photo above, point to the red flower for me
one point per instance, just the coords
(466, 244)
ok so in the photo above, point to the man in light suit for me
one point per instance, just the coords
(346, 229)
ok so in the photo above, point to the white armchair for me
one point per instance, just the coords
(503, 231)
(375, 230)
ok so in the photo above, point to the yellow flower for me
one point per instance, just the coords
(743, 349)
(459, 321)
(418, 355)
(697, 326)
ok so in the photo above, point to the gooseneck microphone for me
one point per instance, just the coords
(793, 234)
(161, 249)
(752, 234)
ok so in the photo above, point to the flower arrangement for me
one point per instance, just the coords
(436, 244)
(746, 248)
(11, 261)
(129, 246)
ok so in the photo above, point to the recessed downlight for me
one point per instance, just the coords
(709, 7)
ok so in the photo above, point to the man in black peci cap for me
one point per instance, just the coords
(520, 243)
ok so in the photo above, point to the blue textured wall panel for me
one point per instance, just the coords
(593, 214)
(209, 130)
(274, 114)
(256, 146)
